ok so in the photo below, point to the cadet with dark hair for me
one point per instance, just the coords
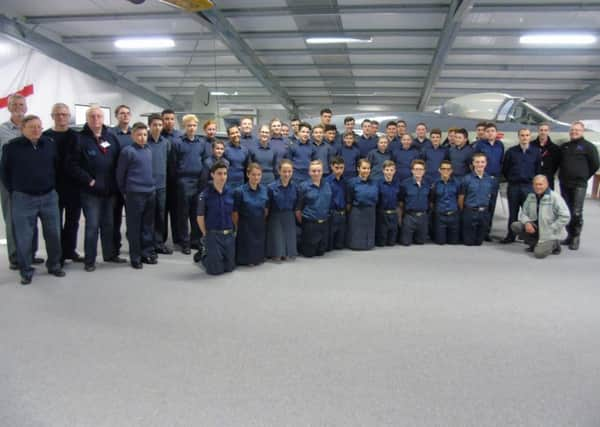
(350, 153)
(460, 155)
(404, 156)
(414, 205)
(446, 215)
(281, 224)
(237, 156)
(361, 197)
(215, 221)
(378, 157)
(434, 155)
(367, 140)
(171, 134)
(337, 181)
(386, 231)
(263, 154)
(250, 210)
(301, 154)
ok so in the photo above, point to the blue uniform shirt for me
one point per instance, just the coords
(238, 160)
(323, 152)
(29, 168)
(461, 159)
(314, 201)
(248, 140)
(124, 138)
(422, 145)
(362, 193)
(520, 166)
(248, 202)
(403, 159)
(494, 154)
(211, 160)
(388, 194)
(160, 155)
(415, 197)
(377, 158)
(266, 157)
(445, 195)
(282, 198)
(134, 169)
(301, 155)
(281, 146)
(433, 157)
(351, 156)
(216, 208)
(478, 191)
(365, 145)
(338, 190)
(189, 156)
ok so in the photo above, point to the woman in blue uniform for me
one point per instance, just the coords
(362, 194)
(237, 156)
(263, 154)
(281, 225)
(249, 213)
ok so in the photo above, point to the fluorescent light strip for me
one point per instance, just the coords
(144, 43)
(557, 39)
(329, 40)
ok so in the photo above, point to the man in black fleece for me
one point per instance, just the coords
(92, 163)
(578, 163)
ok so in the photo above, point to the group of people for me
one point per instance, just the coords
(274, 194)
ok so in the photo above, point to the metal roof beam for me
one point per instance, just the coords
(576, 100)
(53, 19)
(458, 10)
(111, 38)
(54, 50)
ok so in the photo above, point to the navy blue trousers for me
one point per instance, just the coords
(140, 224)
(475, 226)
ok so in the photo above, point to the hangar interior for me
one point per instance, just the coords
(429, 336)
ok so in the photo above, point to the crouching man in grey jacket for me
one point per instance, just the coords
(543, 217)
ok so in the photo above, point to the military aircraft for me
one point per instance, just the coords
(510, 113)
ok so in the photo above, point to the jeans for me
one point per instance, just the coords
(69, 205)
(140, 224)
(117, 221)
(8, 224)
(99, 213)
(160, 217)
(574, 197)
(26, 209)
(516, 195)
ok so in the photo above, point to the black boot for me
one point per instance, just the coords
(567, 241)
(574, 244)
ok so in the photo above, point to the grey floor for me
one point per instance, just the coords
(421, 336)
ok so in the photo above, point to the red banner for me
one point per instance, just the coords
(26, 91)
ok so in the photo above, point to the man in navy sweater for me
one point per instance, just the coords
(136, 183)
(92, 163)
(29, 169)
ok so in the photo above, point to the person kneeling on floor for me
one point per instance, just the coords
(543, 218)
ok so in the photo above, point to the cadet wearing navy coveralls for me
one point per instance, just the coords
(351, 155)
(404, 156)
(460, 155)
(362, 196)
(446, 215)
(263, 154)
(301, 154)
(386, 232)
(215, 211)
(237, 156)
(414, 195)
(337, 226)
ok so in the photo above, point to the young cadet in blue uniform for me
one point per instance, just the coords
(460, 155)
(521, 163)
(312, 211)
(217, 153)
(250, 210)
(301, 154)
(247, 138)
(210, 134)
(136, 183)
(378, 157)
(123, 133)
(386, 231)
(322, 150)
(391, 132)
(281, 224)
(361, 197)
(295, 123)
(337, 182)
(263, 154)
(476, 191)
(367, 140)
(351, 154)
(29, 168)
(446, 215)
(237, 156)
(434, 155)
(333, 138)
(494, 151)
(171, 134)
(421, 142)
(279, 143)
(215, 220)
(404, 156)
(92, 163)
(189, 153)
(414, 204)
(160, 154)
(69, 202)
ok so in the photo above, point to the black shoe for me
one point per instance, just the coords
(574, 245)
(90, 267)
(116, 260)
(529, 249)
(37, 260)
(149, 260)
(487, 238)
(13, 266)
(198, 256)
(25, 280)
(567, 241)
(507, 240)
(164, 250)
(557, 249)
(137, 265)
(186, 251)
(57, 273)
(76, 257)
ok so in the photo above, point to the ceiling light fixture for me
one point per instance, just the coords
(144, 43)
(221, 93)
(341, 39)
(558, 39)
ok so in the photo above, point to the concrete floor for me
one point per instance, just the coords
(427, 336)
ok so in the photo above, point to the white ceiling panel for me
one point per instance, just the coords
(277, 43)
(390, 59)
(264, 23)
